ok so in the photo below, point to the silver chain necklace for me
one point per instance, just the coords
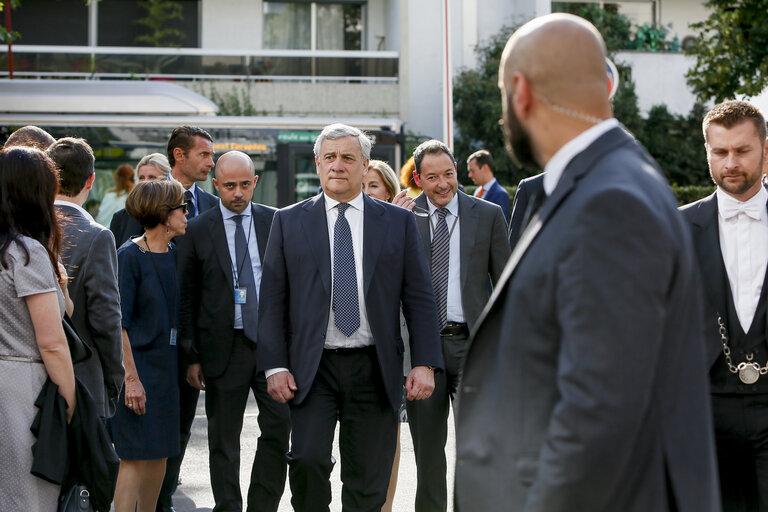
(748, 371)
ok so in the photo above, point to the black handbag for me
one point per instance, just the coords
(77, 499)
(77, 347)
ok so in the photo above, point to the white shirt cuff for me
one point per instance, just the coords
(272, 371)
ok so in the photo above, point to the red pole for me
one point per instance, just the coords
(7, 8)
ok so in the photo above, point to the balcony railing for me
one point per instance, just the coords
(31, 61)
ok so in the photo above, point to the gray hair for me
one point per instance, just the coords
(337, 131)
(158, 160)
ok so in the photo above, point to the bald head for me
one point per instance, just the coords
(233, 159)
(30, 136)
(563, 58)
(234, 181)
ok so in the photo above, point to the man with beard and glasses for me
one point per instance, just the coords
(584, 386)
(730, 233)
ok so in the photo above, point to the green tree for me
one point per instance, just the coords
(159, 21)
(731, 50)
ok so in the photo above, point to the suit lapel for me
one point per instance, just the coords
(469, 219)
(219, 235)
(574, 171)
(374, 234)
(422, 222)
(706, 238)
(315, 228)
(262, 226)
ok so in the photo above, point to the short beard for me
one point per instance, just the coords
(518, 141)
(737, 190)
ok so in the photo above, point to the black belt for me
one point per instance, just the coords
(348, 350)
(455, 329)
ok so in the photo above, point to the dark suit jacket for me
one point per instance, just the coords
(123, 226)
(483, 249)
(296, 293)
(702, 218)
(206, 304)
(585, 386)
(88, 253)
(523, 208)
(498, 195)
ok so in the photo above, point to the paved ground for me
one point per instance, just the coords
(194, 495)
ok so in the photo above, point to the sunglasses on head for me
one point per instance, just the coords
(182, 205)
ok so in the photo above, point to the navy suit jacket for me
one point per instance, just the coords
(529, 191)
(206, 304)
(498, 195)
(585, 386)
(295, 296)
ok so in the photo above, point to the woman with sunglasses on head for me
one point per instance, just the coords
(145, 428)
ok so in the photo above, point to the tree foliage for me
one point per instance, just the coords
(159, 21)
(675, 141)
(731, 50)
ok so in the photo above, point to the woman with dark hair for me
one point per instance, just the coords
(114, 199)
(32, 342)
(145, 427)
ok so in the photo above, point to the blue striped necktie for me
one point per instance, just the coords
(439, 266)
(346, 306)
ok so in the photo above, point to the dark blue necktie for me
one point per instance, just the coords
(441, 244)
(190, 199)
(346, 307)
(250, 309)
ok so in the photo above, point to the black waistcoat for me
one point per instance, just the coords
(741, 344)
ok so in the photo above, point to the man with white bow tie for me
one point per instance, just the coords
(730, 232)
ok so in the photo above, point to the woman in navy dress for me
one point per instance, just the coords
(145, 427)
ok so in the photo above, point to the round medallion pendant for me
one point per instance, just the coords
(748, 374)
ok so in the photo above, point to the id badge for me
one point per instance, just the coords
(241, 295)
(173, 337)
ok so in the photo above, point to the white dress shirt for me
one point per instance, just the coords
(362, 337)
(453, 302)
(484, 188)
(253, 252)
(553, 171)
(743, 228)
(77, 207)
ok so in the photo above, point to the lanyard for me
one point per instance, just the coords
(238, 268)
(432, 226)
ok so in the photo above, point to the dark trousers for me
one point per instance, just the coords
(188, 407)
(225, 400)
(348, 388)
(428, 421)
(741, 437)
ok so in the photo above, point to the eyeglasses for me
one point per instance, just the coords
(182, 205)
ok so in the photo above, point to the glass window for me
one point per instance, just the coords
(288, 26)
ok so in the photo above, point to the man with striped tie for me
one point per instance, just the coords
(465, 241)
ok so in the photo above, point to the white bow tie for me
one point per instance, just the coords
(753, 210)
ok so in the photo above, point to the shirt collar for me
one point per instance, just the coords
(557, 164)
(453, 205)
(191, 189)
(724, 200)
(356, 203)
(488, 185)
(77, 207)
(226, 213)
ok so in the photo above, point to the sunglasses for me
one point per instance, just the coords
(182, 205)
